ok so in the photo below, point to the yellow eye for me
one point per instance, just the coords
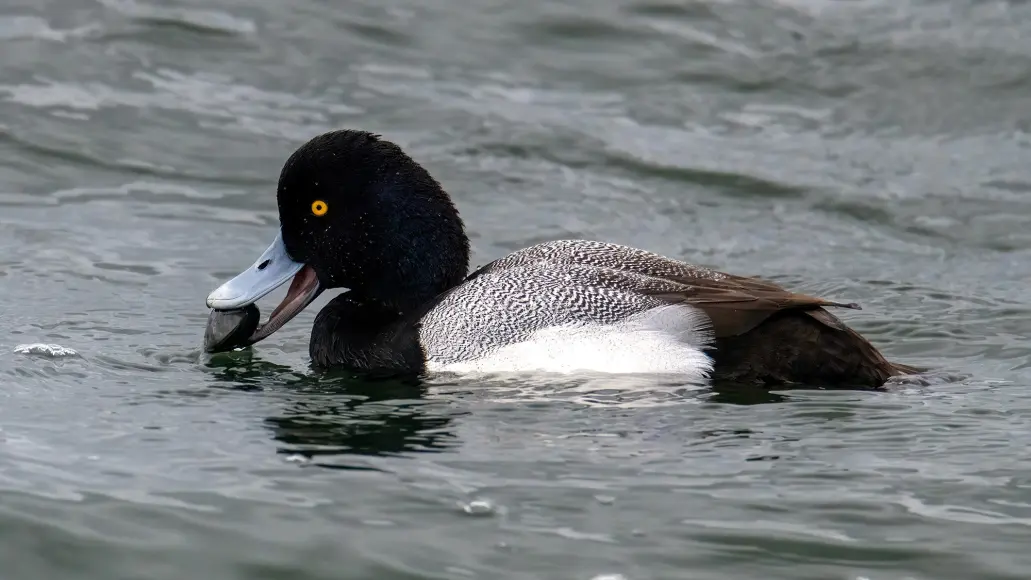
(319, 207)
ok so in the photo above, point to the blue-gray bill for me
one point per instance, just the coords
(271, 270)
(233, 322)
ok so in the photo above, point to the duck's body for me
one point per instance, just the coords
(400, 249)
(526, 310)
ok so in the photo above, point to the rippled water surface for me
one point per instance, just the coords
(873, 151)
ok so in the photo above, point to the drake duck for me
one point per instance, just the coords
(357, 212)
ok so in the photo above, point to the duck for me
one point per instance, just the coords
(359, 214)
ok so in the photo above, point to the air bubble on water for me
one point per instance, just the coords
(47, 350)
(478, 507)
(297, 458)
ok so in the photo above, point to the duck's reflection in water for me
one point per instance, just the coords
(325, 415)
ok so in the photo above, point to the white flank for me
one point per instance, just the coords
(668, 339)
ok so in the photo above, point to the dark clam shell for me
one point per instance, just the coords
(229, 329)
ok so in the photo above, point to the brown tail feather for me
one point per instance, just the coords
(901, 369)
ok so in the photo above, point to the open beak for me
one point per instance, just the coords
(273, 269)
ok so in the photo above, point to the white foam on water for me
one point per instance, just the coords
(47, 350)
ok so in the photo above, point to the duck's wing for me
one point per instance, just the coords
(735, 304)
(508, 305)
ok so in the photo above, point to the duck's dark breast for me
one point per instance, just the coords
(363, 334)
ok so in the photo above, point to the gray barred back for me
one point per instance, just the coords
(605, 255)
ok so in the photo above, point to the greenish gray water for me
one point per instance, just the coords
(872, 151)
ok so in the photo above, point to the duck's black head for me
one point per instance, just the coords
(367, 217)
(355, 212)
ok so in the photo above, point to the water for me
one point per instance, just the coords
(871, 151)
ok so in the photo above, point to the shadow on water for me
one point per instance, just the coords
(735, 394)
(742, 394)
(329, 414)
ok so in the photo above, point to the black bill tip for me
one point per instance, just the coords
(229, 329)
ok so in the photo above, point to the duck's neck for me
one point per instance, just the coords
(410, 255)
(354, 333)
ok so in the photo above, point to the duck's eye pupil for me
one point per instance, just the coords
(319, 208)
